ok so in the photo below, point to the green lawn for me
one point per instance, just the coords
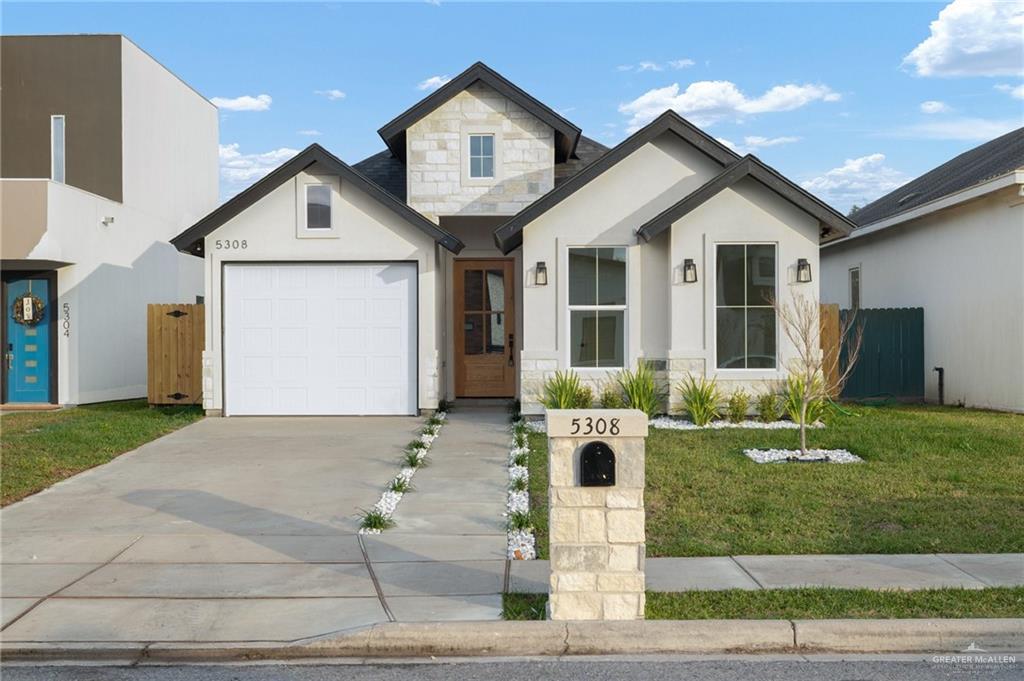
(807, 604)
(935, 479)
(38, 449)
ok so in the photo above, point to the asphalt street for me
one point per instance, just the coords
(721, 668)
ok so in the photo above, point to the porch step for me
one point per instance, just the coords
(475, 402)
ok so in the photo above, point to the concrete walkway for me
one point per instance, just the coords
(899, 571)
(447, 548)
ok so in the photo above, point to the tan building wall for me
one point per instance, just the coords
(79, 77)
(963, 266)
(437, 157)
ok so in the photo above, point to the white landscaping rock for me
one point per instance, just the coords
(669, 423)
(521, 543)
(388, 501)
(794, 456)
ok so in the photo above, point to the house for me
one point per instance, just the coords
(950, 242)
(489, 245)
(104, 156)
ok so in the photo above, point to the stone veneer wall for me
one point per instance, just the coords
(596, 534)
(435, 164)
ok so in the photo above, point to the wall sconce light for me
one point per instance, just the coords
(689, 271)
(540, 274)
(803, 271)
(107, 221)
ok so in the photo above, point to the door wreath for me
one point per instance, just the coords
(28, 309)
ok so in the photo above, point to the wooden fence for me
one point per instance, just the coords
(828, 317)
(176, 334)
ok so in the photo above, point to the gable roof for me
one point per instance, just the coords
(566, 134)
(992, 159)
(509, 235)
(836, 225)
(191, 240)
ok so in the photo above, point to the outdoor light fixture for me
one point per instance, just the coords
(803, 271)
(689, 271)
(540, 274)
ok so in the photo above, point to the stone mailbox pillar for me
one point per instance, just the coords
(596, 507)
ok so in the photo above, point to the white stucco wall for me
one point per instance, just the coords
(963, 266)
(169, 180)
(365, 231)
(665, 321)
(437, 175)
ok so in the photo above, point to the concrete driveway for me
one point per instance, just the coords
(237, 529)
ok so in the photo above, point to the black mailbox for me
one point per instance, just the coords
(597, 465)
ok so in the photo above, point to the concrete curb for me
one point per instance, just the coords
(509, 639)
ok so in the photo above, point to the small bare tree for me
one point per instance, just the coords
(819, 375)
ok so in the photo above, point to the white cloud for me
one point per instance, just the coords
(433, 82)
(1017, 92)
(243, 103)
(332, 95)
(310, 133)
(754, 142)
(647, 65)
(934, 107)
(238, 170)
(858, 181)
(708, 101)
(966, 129)
(972, 38)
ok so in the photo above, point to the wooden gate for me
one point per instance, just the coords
(176, 336)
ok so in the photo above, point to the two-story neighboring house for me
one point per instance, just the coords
(490, 245)
(105, 155)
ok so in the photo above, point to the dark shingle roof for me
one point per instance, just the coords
(587, 151)
(389, 172)
(991, 159)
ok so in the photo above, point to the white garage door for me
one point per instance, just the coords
(324, 338)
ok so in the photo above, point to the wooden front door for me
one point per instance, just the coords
(485, 360)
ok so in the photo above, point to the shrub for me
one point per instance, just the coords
(520, 520)
(414, 458)
(701, 399)
(768, 407)
(444, 405)
(739, 403)
(611, 398)
(564, 391)
(519, 439)
(520, 459)
(519, 484)
(792, 396)
(400, 485)
(375, 520)
(639, 389)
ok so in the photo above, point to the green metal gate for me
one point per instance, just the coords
(891, 362)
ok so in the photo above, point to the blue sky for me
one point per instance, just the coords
(848, 99)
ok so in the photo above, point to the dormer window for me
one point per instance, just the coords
(481, 156)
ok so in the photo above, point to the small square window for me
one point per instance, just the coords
(481, 156)
(318, 206)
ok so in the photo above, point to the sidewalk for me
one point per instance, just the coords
(899, 571)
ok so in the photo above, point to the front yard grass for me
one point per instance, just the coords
(38, 449)
(816, 603)
(934, 479)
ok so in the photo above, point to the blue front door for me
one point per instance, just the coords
(27, 355)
